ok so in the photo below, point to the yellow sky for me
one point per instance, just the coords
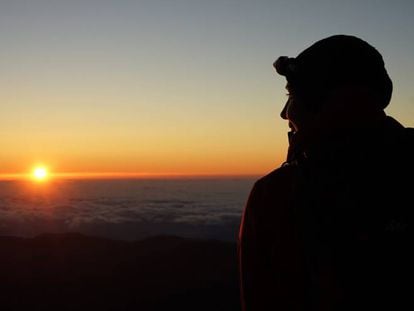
(158, 87)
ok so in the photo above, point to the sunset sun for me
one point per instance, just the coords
(40, 173)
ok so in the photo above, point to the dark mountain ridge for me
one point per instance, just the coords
(72, 271)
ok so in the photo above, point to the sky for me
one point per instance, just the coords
(170, 86)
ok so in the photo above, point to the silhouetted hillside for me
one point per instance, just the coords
(76, 272)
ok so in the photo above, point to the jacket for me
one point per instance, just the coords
(332, 230)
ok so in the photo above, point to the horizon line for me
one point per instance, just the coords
(124, 175)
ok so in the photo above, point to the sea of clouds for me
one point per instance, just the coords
(125, 209)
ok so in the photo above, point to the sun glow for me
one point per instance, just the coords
(40, 173)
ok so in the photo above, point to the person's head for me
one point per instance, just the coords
(336, 77)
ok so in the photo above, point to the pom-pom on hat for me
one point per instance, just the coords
(337, 61)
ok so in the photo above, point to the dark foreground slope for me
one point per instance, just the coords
(76, 272)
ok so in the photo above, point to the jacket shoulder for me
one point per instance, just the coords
(410, 132)
(281, 176)
(274, 188)
(407, 143)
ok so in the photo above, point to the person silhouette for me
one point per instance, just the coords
(331, 228)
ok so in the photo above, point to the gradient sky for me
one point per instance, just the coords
(172, 86)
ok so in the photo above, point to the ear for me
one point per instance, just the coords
(349, 105)
(350, 100)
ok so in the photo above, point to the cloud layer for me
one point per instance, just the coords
(126, 209)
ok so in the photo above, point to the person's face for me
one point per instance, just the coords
(296, 111)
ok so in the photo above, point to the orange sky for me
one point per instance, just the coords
(159, 87)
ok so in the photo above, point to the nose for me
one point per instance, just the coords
(283, 113)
